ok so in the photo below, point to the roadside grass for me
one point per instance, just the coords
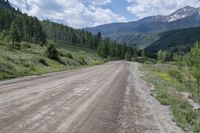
(145, 60)
(79, 53)
(169, 80)
(31, 60)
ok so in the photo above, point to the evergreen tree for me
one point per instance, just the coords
(162, 56)
(143, 53)
(14, 32)
(101, 50)
(193, 63)
(99, 35)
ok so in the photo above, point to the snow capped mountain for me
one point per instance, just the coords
(186, 17)
(182, 13)
(159, 18)
(179, 14)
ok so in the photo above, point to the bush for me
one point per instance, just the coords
(4, 35)
(64, 53)
(128, 56)
(25, 45)
(18, 46)
(43, 61)
(162, 56)
(52, 52)
(81, 60)
(175, 74)
(148, 62)
(69, 55)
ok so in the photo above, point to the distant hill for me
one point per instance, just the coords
(175, 32)
(175, 40)
(186, 17)
(139, 40)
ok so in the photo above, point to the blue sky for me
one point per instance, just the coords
(89, 13)
(119, 7)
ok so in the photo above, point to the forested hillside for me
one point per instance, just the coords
(139, 40)
(29, 29)
(176, 40)
(61, 32)
(30, 46)
(173, 41)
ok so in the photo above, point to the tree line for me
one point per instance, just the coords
(28, 28)
(17, 26)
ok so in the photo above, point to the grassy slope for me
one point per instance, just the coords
(167, 91)
(31, 60)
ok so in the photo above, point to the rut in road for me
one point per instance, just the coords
(109, 98)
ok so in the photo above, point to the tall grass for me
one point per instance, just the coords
(169, 80)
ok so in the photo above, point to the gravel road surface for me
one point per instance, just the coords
(109, 98)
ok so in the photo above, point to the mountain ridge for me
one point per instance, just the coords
(153, 23)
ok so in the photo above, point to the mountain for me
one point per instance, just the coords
(183, 18)
(175, 40)
(139, 40)
(182, 13)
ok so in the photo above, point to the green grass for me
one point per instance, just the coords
(89, 55)
(167, 82)
(31, 59)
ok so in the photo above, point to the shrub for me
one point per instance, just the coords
(162, 56)
(81, 60)
(25, 45)
(18, 46)
(69, 55)
(148, 62)
(175, 74)
(128, 56)
(52, 52)
(64, 53)
(43, 61)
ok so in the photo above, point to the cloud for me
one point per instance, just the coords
(75, 13)
(144, 8)
(98, 2)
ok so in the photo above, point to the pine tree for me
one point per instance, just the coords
(162, 56)
(143, 53)
(14, 32)
(101, 49)
(193, 63)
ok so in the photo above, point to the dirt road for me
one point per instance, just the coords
(110, 98)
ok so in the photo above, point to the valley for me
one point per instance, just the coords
(91, 67)
(151, 32)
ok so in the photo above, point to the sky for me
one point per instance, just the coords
(90, 13)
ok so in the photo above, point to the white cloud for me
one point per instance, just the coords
(98, 2)
(76, 13)
(144, 8)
